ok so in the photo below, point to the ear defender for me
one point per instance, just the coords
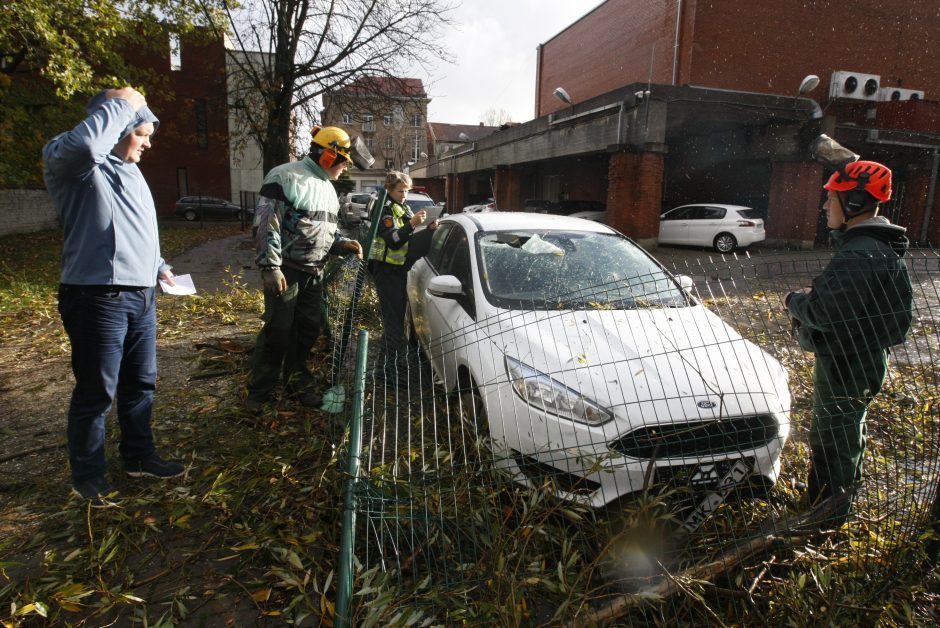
(856, 199)
(327, 158)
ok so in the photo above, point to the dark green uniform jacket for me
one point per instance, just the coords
(862, 302)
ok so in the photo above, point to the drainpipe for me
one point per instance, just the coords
(675, 46)
(931, 187)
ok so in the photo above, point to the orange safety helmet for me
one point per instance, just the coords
(861, 179)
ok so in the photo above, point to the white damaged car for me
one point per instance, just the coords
(581, 359)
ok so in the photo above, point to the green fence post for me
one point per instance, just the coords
(345, 571)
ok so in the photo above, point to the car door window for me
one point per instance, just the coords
(455, 260)
(710, 213)
(680, 213)
(436, 251)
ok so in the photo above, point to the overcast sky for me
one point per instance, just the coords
(493, 43)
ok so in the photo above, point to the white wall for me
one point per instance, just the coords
(26, 211)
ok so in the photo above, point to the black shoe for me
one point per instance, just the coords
(308, 399)
(95, 490)
(253, 406)
(153, 466)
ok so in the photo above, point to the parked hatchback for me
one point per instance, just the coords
(724, 227)
(208, 208)
(576, 355)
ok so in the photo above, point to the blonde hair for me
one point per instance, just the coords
(395, 177)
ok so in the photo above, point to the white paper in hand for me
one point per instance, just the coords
(184, 285)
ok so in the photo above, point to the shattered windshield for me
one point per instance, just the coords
(540, 269)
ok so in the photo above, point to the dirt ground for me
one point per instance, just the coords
(35, 386)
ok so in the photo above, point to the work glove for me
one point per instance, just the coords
(274, 280)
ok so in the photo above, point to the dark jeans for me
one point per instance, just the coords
(113, 334)
(291, 327)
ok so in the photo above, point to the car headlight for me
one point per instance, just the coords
(543, 392)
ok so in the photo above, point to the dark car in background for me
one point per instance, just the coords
(209, 208)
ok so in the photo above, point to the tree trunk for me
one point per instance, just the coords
(277, 147)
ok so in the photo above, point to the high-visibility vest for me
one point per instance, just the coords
(382, 253)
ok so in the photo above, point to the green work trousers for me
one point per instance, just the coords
(843, 386)
(292, 323)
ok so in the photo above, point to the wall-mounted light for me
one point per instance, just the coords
(808, 84)
(561, 95)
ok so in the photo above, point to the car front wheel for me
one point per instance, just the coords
(473, 410)
(190, 215)
(725, 242)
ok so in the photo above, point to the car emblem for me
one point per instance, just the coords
(707, 405)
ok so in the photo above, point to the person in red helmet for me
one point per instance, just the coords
(854, 311)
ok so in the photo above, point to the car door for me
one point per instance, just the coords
(674, 225)
(450, 321)
(705, 224)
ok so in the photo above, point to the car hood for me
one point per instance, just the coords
(654, 363)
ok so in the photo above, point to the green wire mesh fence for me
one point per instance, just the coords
(624, 443)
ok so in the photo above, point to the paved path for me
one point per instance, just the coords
(212, 264)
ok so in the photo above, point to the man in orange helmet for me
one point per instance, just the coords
(859, 306)
(297, 215)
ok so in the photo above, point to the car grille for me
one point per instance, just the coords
(681, 440)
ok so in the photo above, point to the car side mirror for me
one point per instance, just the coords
(445, 286)
(685, 282)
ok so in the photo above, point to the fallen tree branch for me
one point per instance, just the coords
(32, 450)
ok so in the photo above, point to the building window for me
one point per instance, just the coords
(387, 119)
(370, 144)
(202, 123)
(416, 147)
(389, 142)
(347, 118)
(176, 55)
(389, 163)
(416, 120)
(367, 123)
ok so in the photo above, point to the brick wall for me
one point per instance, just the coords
(610, 47)
(25, 211)
(795, 203)
(740, 45)
(634, 193)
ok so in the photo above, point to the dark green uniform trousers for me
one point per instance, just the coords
(843, 386)
(292, 323)
(391, 286)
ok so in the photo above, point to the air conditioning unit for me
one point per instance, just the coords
(855, 85)
(899, 93)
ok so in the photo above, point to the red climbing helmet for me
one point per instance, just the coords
(870, 176)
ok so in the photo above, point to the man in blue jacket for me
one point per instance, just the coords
(110, 264)
(859, 306)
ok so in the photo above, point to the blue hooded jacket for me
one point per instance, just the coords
(104, 204)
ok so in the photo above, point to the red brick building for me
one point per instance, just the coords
(697, 101)
(190, 153)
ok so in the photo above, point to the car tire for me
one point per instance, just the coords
(472, 409)
(725, 243)
(190, 215)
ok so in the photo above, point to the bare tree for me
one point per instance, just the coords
(301, 49)
(496, 117)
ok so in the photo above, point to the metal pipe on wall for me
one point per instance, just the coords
(675, 46)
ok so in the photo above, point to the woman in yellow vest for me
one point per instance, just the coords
(389, 263)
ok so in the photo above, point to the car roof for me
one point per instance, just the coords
(420, 195)
(503, 220)
(722, 205)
